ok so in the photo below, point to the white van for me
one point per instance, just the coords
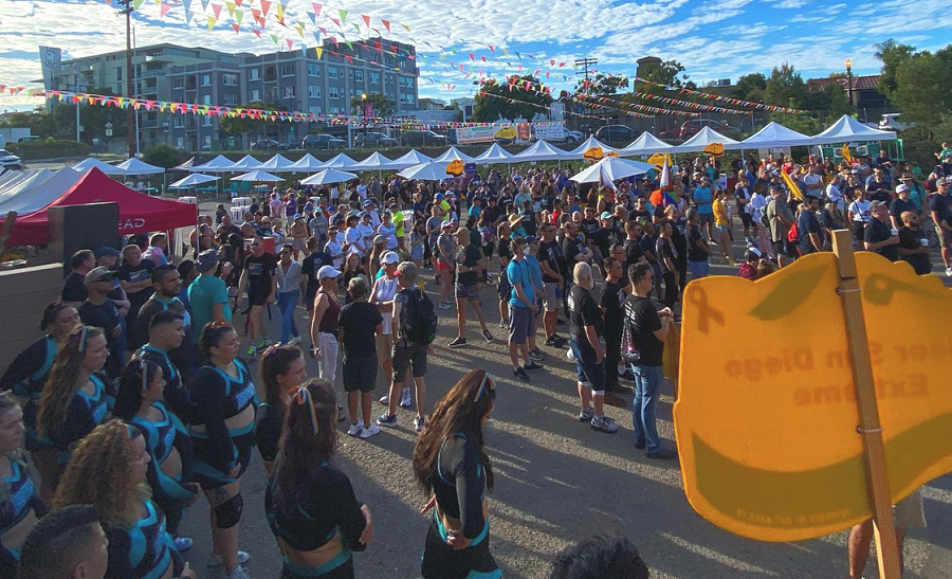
(891, 122)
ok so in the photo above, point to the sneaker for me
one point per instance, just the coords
(355, 429)
(552, 342)
(521, 374)
(263, 344)
(252, 351)
(215, 560)
(948, 272)
(340, 414)
(385, 400)
(387, 420)
(458, 343)
(418, 423)
(294, 341)
(445, 306)
(586, 415)
(613, 400)
(503, 324)
(537, 355)
(183, 544)
(239, 573)
(570, 355)
(405, 400)
(488, 336)
(662, 455)
(604, 424)
(371, 430)
(533, 365)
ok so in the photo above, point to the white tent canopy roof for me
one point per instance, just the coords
(186, 166)
(646, 144)
(247, 162)
(307, 164)
(39, 195)
(277, 164)
(540, 151)
(374, 162)
(848, 129)
(706, 136)
(431, 171)
(495, 154)
(258, 176)
(454, 154)
(89, 163)
(329, 176)
(220, 164)
(339, 161)
(579, 152)
(411, 159)
(776, 135)
(193, 180)
(134, 166)
(611, 169)
(12, 182)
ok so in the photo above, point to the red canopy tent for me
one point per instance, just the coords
(138, 213)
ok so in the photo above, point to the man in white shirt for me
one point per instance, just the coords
(366, 230)
(362, 189)
(334, 248)
(813, 181)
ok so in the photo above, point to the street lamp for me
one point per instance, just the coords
(363, 112)
(849, 80)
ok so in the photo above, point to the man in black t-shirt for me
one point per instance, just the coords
(135, 278)
(359, 324)
(649, 329)
(586, 327)
(167, 283)
(878, 236)
(614, 292)
(469, 264)
(913, 243)
(259, 275)
(553, 279)
(314, 261)
(74, 288)
(100, 311)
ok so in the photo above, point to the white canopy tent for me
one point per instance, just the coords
(247, 162)
(193, 180)
(89, 163)
(12, 182)
(134, 166)
(706, 136)
(611, 169)
(277, 164)
(220, 164)
(495, 154)
(411, 159)
(307, 164)
(454, 154)
(848, 130)
(41, 194)
(328, 176)
(339, 161)
(540, 151)
(579, 152)
(776, 135)
(646, 144)
(375, 162)
(258, 176)
(186, 166)
(431, 171)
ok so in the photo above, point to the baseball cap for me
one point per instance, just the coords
(298, 216)
(327, 271)
(902, 188)
(390, 258)
(446, 224)
(942, 181)
(531, 238)
(876, 205)
(97, 274)
(606, 215)
(207, 260)
(368, 203)
(107, 251)
(439, 195)
(379, 239)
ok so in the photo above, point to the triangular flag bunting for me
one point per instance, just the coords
(343, 15)
(366, 20)
(386, 24)
(290, 43)
(265, 6)
(216, 8)
(406, 27)
(239, 14)
(317, 8)
(234, 25)
(336, 21)
(164, 9)
(319, 52)
(211, 22)
(274, 38)
(231, 8)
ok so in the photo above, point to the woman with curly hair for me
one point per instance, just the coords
(139, 402)
(19, 504)
(222, 430)
(310, 503)
(108, 471)
(76, 396)
(450, 462)
(282, 370)
(27, 375)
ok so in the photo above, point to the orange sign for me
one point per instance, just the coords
(594, 154)
(455, 168)
(522, 131)
(659, 158)
(714, 149)
(766, 419)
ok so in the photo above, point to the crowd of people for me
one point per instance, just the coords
(140, 398)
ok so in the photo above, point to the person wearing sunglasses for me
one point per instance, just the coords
(451, 465)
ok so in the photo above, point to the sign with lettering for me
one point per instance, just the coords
(455, 168)
(593, 154)
(659, 158)
(714, 149)
(767, 421)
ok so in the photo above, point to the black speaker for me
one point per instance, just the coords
(75, 227)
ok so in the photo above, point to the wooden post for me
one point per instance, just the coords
(887, 547)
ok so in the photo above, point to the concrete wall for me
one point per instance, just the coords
(23, 295)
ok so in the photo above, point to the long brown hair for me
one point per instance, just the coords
(460, 411)
(62, 383)
(309, 438)
(98, 475)
(277, 360)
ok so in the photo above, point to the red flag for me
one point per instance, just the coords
(265, 6)
(235, 26)
(386, 24)
(472, 57)
(317, 8)
(366, 20)
(491, 49)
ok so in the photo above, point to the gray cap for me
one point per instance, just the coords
(208, 260)
(876, 205)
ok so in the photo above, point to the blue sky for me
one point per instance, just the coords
(713, 39)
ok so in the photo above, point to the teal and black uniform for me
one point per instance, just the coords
(85, 412)
(175, 393)
(17, 498)
(143, 551)
(26, 377)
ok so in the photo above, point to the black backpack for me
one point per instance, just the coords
(418, 321)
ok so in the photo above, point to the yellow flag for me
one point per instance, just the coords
(319, 51)
(791, 185)
(845, 151)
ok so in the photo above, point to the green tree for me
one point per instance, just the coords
(241, 125)
(602, 85)
(831, 99)
(663, 72)
(785, 87)
(525, 103)
(93, 120)
(383, 107)
(922, 86)
(750, 87)
(165, 156)
(40, 122)
(891, 54)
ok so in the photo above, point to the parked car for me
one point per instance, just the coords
(671, 134)
(326, 142)
(557, 134)
(269, 145)
(891, 122)
(374, 139)
(691, 128)
(618, 134)
(422, 139)
(9, 161)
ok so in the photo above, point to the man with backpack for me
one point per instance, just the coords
(780, 218)
(414, 328)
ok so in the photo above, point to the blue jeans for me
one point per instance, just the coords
(647, 391)
(287, 301)
(698, 269)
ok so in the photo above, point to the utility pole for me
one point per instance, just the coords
(130, 123)
(585, 63)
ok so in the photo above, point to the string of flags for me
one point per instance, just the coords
(607, 103)
(511, 100)
(721, 99)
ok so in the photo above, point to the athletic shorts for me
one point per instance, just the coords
(360, 373)
(412, 357)
(550, 297)
(520, 324)
(943, 236)
(441, 265)
(722, 228)
(467, 292)
(384, 347)
(258, 298)
(706, 218)
(299, 244)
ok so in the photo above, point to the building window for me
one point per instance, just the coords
(270, 74)
(255, 95)
(255, 74)
(231, 99)
(316, 110)
(287, 70)
(314, 91)
(180, 142)
(206, 99)
(406, 98)
(333, 93)
(206, 80)
(313, 69)
(359, 75)
(331, 72)
(290, 92)
(119, 73)
(207, 121)
(375, 78)
(333, 110)
(178, 82)
(229, 80)
(178, 121)
(206, 142)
